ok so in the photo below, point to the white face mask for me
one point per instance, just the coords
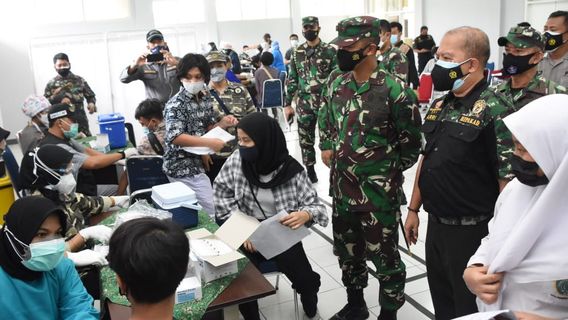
(194, 87)
(294, 43)
(44, 120)
(66, 184)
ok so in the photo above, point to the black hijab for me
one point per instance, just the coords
(272, 151)
(24, 218)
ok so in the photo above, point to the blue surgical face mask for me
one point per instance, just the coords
(39, 256)
(146, 131)
(394, 38)
(73, 130)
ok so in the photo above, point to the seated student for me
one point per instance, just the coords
(55, 181)
(521, 264)
(262, 179)
(229, 98)
(36, 280)
(150, 258)
(151, 117)
(62, 131)
(265, 72)
(35, 107)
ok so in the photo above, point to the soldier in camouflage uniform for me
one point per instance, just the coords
(311, 64)
(370, 130)
(464, 166)
(229, 98)
(71, 89)
(391, 58)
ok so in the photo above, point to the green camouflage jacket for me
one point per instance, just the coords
(395, 62)
(377, 130)
(73, 87)
(309, 69)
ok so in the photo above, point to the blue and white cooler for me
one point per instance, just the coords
(113, 125)
(180, 200)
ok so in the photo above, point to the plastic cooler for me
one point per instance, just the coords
(113, 125)
(6, 196)
(180, 200)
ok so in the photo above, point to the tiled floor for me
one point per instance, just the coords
(318, 247)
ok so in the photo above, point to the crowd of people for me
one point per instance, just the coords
(491, 169)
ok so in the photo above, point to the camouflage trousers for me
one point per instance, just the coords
(81, 118)
(358, 237)
(307, 109)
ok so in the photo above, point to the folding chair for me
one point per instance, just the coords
(145, 172)
(273, 102)
(269, 267)
(130, 131)
(13, 169)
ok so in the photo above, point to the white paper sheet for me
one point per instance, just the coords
(503, 315)
(272, 238)
(215, 133)
(209, 247)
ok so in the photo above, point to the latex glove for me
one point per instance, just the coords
(121, 201)
(130, 152)
(99, 233)
(87, 257)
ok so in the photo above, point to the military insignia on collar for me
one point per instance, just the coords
(238, 90)
(561, 287)
(478, 107)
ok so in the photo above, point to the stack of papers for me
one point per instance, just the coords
(215, 133)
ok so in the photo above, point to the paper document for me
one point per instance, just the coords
(209, 247)
(215, 133)
(272, 238)
(498, 315)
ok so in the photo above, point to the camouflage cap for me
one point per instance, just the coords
(309, 20)
(216, 56)
(522, 38)
(351, 30)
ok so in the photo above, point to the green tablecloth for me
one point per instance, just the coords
(86, 142)
(187, 310)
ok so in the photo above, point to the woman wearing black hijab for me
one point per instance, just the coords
(36, 280)
(261, 179)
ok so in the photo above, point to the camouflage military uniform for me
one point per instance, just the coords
(75, 88)
(373, 130)
(395, 62)
(144, 146)
(309, 69)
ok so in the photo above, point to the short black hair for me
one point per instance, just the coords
(397, 25)
(267, 58)
(293, 35)
(560, 13)
(423, 28)
(384, 26)
(245, 46)
(150, 256)
(60, 56)
(190, 61)
(150, 109)
(267, 35)
(523, 24)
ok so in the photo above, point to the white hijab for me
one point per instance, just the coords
(528, 237)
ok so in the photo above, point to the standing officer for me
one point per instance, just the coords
(311, 64)
(377, 124)
(524, 50)
(391, 58)
(554, 66)
(464, 165)
(423, 45)
(71, 89)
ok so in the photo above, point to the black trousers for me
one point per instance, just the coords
(295, 265)
(448, 249)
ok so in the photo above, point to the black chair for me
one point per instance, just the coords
(144, 172)
(130, 130)
(13, 169)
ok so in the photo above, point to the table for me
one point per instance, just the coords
(110, 174)
(249, 284)
(86, 142)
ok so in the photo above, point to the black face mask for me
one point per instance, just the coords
(310, 35)
(513, 65)
(553, 41)
(445, 78)
(525, 171)
(64, 72)
(347, 60)
(249, 154)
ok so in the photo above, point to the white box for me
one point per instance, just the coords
(220, 261)
(173, 194)
(189, 289)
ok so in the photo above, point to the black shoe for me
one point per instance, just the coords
(387, 315)
(312, 174)
(310, 303)
(350, 312)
